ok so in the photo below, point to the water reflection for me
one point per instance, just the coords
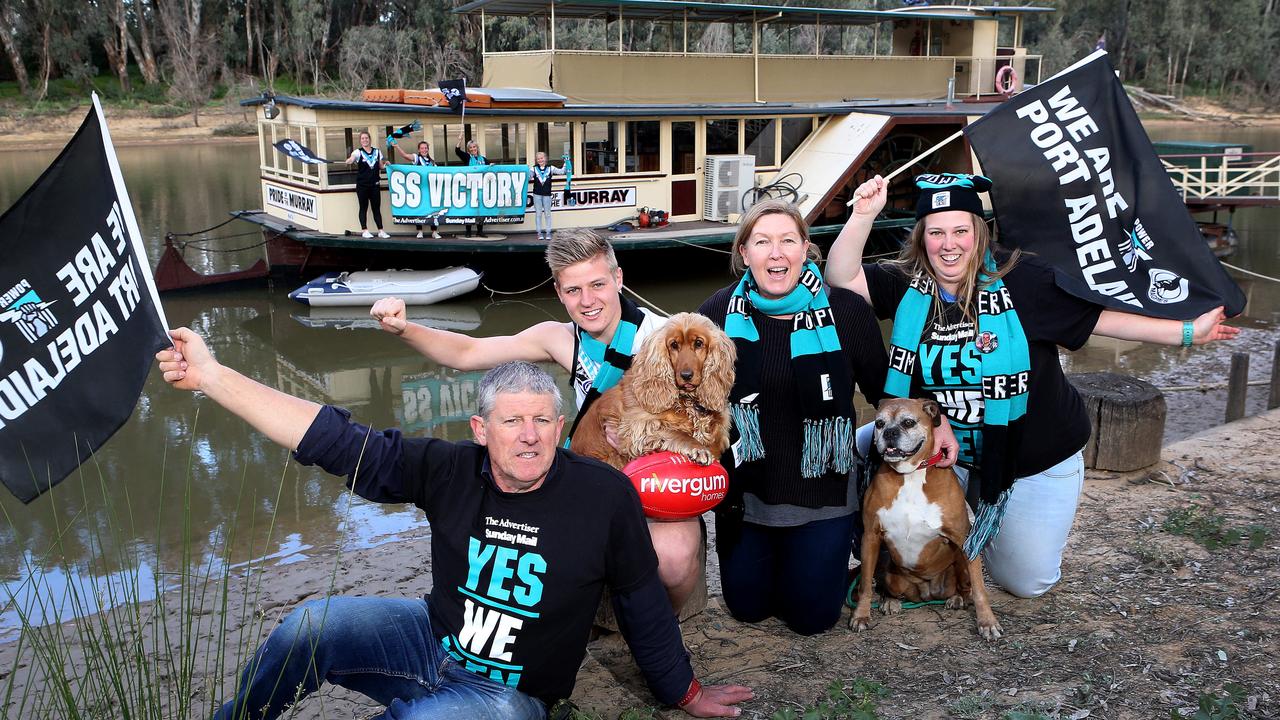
(183, 468)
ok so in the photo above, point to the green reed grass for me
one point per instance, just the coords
(103, 651)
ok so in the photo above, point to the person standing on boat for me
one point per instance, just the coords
(979, 328)
(540, 174)
(784, 532)
(595, 347)
(368, 161)
(472, 157)
(423, 159)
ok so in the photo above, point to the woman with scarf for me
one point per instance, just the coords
(422, 158)
(978, 328)
(368, 161)
(783, 536)
(472, 157)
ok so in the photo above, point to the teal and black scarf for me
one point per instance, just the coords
(823, 383)
(617, 356)
(1006, 371)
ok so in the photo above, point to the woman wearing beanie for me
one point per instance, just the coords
(978, 328)
(784, 534)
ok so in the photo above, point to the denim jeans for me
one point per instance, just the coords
(382, 648)
(542, 213)
(1025, 557)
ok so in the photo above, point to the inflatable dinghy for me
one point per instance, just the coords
(363, 288)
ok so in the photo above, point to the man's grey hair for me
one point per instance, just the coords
(515, 377)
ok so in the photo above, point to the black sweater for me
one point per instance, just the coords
(776, 479)
(581, 530)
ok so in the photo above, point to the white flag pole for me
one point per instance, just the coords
(903, 168)
(126, 207)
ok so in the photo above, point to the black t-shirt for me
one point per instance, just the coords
(516, 577)
(948, 367)
(368, 166)
(776, 478)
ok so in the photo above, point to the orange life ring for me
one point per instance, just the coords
(1006, 80)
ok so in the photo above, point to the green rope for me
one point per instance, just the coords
(906, 604)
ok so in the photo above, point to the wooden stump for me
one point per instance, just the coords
(696, 603)
(1127, 417)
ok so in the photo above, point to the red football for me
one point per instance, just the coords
(672, 487)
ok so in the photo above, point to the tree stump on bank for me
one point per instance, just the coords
(1127, 417)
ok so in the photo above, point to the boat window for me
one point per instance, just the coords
(794, 131)
(504, 143)
(555, 139)
(443, 150)
(268, 152)
(309, 138)
(644, 146)
(599, 148)
(684, 156)
(759, 136)
(339, 143)
(722, 137)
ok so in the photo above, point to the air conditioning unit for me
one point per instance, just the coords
(728, 177)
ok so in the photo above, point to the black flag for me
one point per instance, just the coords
(1078, 183)
(80, 319)
(298, 151)
(455, 91)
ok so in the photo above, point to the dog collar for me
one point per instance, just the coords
(931, 461)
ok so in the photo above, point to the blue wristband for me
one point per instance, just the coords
(1188, 333)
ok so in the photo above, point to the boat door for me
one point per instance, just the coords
(686, 169)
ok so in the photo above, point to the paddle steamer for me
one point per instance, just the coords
(658, 118)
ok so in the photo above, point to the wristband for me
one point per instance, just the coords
(695, 687)
(1188, 333)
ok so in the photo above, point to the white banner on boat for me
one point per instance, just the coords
(290, 200)
(591, 198)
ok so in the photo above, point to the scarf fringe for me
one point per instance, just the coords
(986, 524)
(747, 419)
(828, 446)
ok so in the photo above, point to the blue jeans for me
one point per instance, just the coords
(796, 574)
(1025, 557)
(382, 648)
(542, 213)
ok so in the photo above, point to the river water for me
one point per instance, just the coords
(183, 469)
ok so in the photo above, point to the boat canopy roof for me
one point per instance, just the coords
(711, 12)
(840, 107)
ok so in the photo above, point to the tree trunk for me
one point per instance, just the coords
(1186, 61)
(248, 37)
(46, 60)
(142, 46)
(7, 22)
(115, 42)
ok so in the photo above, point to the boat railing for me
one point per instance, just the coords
(1224, 175)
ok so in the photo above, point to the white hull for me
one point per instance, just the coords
(363, 288)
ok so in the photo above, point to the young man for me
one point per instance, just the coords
(514, 590)
(595, 347)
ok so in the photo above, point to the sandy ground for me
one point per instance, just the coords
(1143, 622)
(128, 127)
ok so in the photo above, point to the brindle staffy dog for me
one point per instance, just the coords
(919, 511)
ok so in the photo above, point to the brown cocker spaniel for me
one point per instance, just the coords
(675, 397)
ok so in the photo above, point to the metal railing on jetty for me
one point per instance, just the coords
(1226, 178)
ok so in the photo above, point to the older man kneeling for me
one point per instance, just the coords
(524, 537)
